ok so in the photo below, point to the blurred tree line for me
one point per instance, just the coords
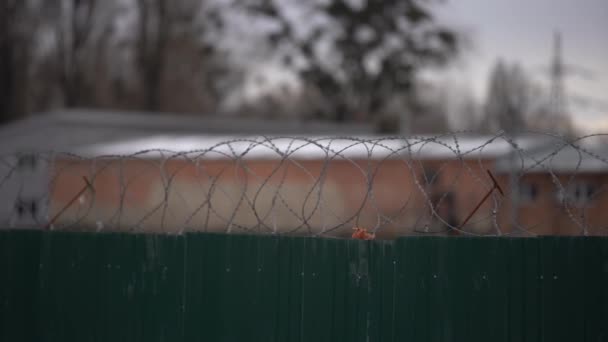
(515, 103)
(350, 59)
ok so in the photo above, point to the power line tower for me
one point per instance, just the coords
(555, 116)
(558, 109)
(558, 103)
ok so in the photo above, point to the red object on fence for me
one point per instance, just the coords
(362, 234)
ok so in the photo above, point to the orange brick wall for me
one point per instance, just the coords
(131, 194)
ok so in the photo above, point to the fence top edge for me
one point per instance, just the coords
(299, 238)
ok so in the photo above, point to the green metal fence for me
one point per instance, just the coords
(205, 287)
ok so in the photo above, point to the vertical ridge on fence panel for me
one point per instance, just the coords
(388, 291)
(480, 293)
(252, 277)
(295, 273)
(54, 315)
(118, 320)
(340, 309)
(256, 283)
(135, 255)
(173, 286)
(206, 281)
(194, 305)
(604, 281)
(548, 251)
(504, 297)
(381, 272)
(103, 302)
(227, 302)
(241, 277)
(81, 285)
(266, 288)
(596, 289)
(440, 325)
(161, 271)
(317, 288)
(457, 280)
(357, 290)
(532, 290)
(604, 293)
(412, 289)
(129, 256)
(516, 288)
(283, 289)
(19, 272)
(116, 270)
(563, 288)
(495, 252)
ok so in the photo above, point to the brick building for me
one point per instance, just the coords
(311, 185)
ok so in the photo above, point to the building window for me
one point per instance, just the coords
(578, 194)
(26, 161)
(528, 192)
(25, 208)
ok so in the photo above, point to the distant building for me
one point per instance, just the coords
(163, 174)
(562, 190)
(29, 157)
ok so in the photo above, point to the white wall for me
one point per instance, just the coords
(23, 190)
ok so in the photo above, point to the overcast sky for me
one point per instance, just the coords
(522, 30)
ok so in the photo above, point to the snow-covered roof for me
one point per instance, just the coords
(559, 158)
(311, 147)
(72, 130)
(98, 133)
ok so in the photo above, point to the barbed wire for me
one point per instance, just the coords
(317, 186)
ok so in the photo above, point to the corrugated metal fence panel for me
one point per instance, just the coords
(19, 271)
(136, 287)
(563, 287)
(111, 287)
(596, 289)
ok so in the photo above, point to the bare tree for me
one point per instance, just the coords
(85, 53)
(179, 68)
(17, 29)
(461, 107)
(153, 33)
(75, 44)
(507, 101)
(468, 113)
